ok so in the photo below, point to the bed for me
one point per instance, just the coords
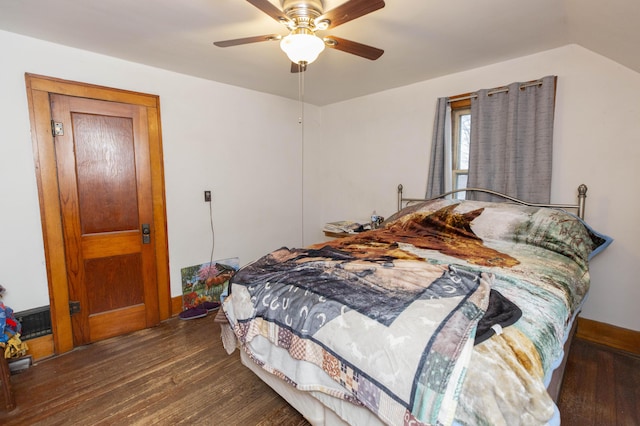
(452, 312)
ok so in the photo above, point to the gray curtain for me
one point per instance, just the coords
(439, 180)
(512, 141)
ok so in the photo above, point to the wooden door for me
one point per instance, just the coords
(104, 180)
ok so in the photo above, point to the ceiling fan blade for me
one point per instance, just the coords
(270, 9)
(353, 47)
(295, 68)
(247, 40)
(350, 10)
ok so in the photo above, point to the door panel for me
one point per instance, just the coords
(105, 197)
(114, 323)
(113, 282)
(105, 159)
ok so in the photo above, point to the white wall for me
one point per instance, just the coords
(371, 144)
(245, 146)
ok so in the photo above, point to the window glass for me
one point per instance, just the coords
(461, 182)
(464, 137)
(461, 128)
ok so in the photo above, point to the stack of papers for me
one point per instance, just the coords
(347, 226)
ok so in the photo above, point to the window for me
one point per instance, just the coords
(510, 153)
(461, 138)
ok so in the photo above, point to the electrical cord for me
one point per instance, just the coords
(213, 239)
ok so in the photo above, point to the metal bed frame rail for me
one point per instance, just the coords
(580, 206)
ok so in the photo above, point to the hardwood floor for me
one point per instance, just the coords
(178, 373)
(601, 387)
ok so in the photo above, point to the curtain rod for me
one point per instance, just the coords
(493, 91)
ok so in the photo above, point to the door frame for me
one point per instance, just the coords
(38, 89)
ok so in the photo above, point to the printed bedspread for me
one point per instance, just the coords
(387, 318)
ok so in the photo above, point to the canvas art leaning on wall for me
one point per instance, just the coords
(204, 286)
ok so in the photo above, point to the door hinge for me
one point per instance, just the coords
(74, 307)
(57, 129)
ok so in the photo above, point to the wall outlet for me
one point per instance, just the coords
(207, 196)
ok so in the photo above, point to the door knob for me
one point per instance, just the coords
(146, 233)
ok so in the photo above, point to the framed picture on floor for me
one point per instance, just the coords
(207, 282)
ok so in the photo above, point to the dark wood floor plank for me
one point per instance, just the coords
(627, 375)
(178, 373)
(580, 374)
(605, 401)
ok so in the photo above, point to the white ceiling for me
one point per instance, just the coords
(422, 39)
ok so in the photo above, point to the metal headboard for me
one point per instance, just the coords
(580, 206)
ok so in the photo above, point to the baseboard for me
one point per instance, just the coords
(176, 305)
(40, 347)
(609, 335)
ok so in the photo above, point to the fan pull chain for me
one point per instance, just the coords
(301, 92)
(301, 122)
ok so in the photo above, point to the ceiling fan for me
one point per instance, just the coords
(303, 18)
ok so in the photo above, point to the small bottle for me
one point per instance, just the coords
(374, 220)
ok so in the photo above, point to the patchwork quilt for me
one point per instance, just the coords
(387, 318)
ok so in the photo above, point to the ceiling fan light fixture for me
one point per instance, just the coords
(302, 45)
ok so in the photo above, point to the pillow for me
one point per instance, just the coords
(602, 240)
(563, 233)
